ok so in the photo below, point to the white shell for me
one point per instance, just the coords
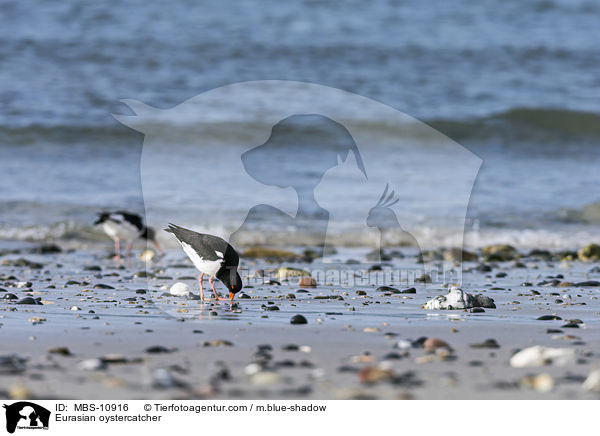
(180, 289)
(455, 299)
(539, 356)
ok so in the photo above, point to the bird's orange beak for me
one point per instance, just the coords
(231, 295)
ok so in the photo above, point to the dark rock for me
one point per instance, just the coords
(157, 349)
(46, 249)
(481, 300)
(409, 291)
(543, 254)
(12, 364)
(548, 318)
(501, 274)
(21, 262)
(63, 351)
(588, 283)
(476, 310)
(103, 286)
(298, 319)
(361, 293)
(388, 289)
(482, 267)
(488, 343)
(92, 268)
(29, 300)
(10, 296)
(392, 356)
(570, 325)
(425, 278)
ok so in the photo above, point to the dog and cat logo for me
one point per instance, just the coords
(26, 415)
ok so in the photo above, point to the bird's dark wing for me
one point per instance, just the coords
(131, 218)
(209, 247)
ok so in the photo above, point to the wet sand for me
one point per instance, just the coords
(112, 332)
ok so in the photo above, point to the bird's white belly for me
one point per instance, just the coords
(122, 230)
(209, 267)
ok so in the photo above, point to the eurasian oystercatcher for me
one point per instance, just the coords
(210, 255)
(127, 226)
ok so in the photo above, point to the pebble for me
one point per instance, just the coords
(373, 374)
(284, 273)
(298, 319)
(19, 391)
(388, 289)
(307, 282)
(455, 299)
(63, 351)
(180, 289)
(162, 378)
(12, 364)
(548, 318)
(91, 365)
(432, 344)
(541, 383)
(263, 378)
(157, 349)
(218, 343)
(103, 286)
(539, 356)
(488, 343)
(592, 382)
(36, 320)
(29, 300)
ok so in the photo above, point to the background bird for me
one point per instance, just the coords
(126, 226)
(210, 255)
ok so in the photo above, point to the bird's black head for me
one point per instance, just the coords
(230, 278)
(102, 217)
(148, 233)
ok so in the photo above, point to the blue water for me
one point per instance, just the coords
(514, 82)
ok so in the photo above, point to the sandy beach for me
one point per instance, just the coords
(106, 331)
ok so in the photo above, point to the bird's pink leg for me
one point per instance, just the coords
(210, 280)
(200, 283)
(117, 249)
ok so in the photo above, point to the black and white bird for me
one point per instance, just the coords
(126, 226)
(211, 255)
